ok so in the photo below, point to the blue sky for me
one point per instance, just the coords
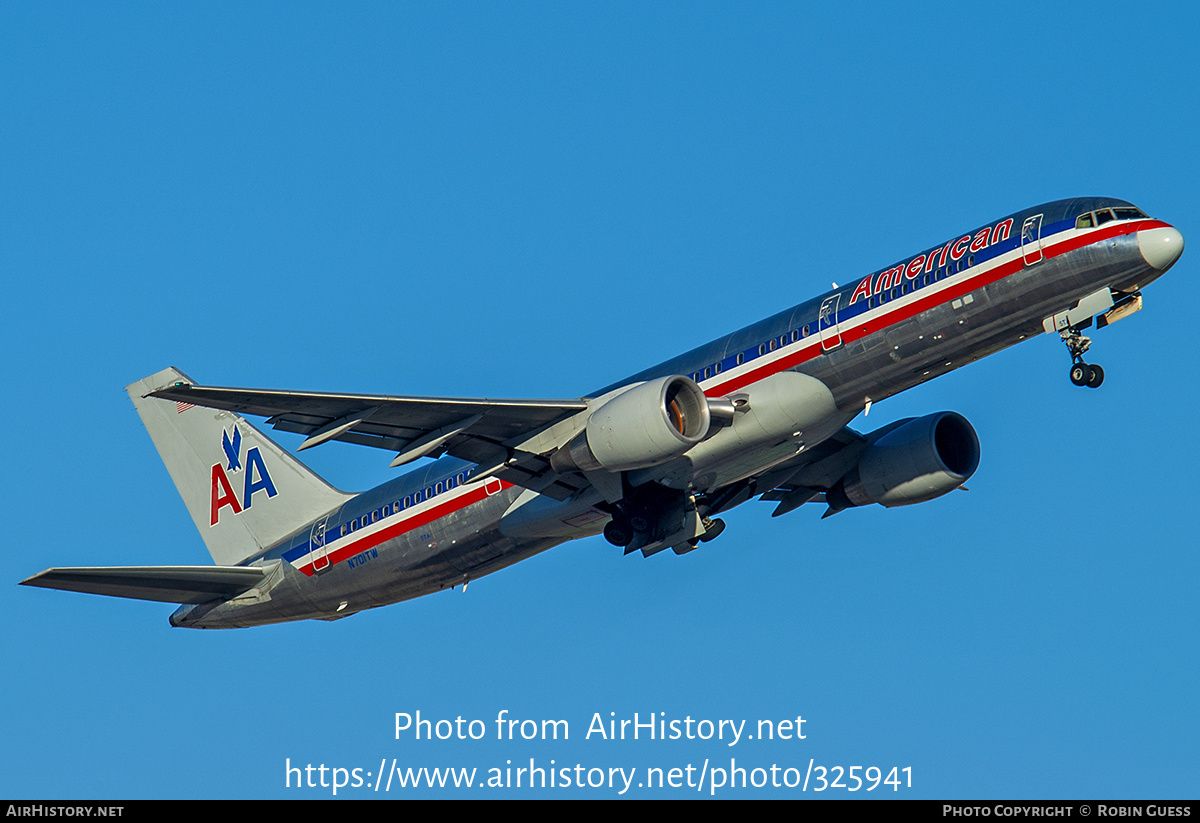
(533, 200)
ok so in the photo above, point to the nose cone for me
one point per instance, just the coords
(1160, 247)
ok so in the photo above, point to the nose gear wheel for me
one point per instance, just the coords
(1082, 374)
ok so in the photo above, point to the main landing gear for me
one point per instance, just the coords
(622, 531)
(1082, 374)
(653, 518)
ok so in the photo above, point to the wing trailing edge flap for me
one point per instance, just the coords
(165, 584)
(807, 476)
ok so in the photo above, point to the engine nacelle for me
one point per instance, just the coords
(645, 425)
(915, 461)
(778, 415)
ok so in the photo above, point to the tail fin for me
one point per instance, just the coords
(243, 491)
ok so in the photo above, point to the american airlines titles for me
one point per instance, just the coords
(952, 251)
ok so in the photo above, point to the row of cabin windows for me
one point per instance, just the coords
(1102, 216)
(772, 344)
(928, 279)
(397, 506)
(799, 334)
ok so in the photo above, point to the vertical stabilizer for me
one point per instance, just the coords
(243, 491)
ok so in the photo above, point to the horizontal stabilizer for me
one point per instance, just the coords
(166, 584)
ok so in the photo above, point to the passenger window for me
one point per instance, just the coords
(762, 349)
(771, 345)
(741, 358)
(717, 368)
(795, 335)
(396, 507)
(345, 530)
(804, 331)
(707, 372)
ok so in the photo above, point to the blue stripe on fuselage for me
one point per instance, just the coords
(1057, 217)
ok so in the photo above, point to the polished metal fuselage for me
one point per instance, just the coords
(868, 344)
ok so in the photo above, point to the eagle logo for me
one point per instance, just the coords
(233, 448)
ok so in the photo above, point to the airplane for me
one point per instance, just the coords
(648, 461)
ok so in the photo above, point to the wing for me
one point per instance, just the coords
(510, 439)
(501, 436)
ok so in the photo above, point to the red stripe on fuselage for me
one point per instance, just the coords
(857, 331)
(807, 352)
(404, 526)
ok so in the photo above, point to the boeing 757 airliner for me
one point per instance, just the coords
(649, 461)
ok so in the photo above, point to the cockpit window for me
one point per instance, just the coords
(1129, 213)
(1099, 218)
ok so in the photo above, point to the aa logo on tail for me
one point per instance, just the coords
(255, 477)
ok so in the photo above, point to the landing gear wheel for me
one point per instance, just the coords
(618, 533)
(1081, 373)
(714, 530)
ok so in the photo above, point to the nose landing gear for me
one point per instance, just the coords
(1082, 374)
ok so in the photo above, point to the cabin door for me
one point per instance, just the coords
(827, 323)
(316, 539)
(1031, 240)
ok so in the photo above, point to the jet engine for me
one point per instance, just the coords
(645, 425)
(910, 462)
(772, 421)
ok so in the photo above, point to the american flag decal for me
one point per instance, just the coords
(181, 407)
